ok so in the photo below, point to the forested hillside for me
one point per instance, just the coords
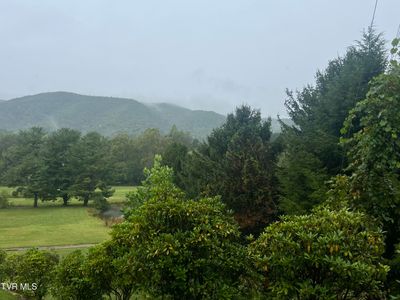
(105, 115)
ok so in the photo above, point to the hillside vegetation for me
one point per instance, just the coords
(105, 115)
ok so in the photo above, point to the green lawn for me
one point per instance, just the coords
(120, 193)
(48, 226)
(118, 197)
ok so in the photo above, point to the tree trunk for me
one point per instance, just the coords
(65, 199)
(35, 199)
(86, 201)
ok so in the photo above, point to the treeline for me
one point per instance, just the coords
(65, 164)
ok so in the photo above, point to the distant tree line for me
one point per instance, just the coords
(65, 163)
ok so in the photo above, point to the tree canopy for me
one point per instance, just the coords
(312, 153)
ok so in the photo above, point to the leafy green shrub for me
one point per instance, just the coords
(184, 249)
(33, 267)
(181, 249)
(4, 199)
(158, 184)
(3, 256)
(107, 266)
(324, 255)
(71, 280)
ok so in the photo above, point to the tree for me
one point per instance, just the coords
(174, 156)
(123, 159)
(178, 248)
(371, 135)
(312, 153)
(7, 140)
(24, 164)
(158, 184)
(147, 145)
(89, 162)
(238, 163)
(324, 255)
(58, 174)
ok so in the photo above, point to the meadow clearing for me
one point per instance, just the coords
(51, 224)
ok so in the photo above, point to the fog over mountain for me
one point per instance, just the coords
(106, 115)
(209, 55)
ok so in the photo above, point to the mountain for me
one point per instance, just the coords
(107, 115)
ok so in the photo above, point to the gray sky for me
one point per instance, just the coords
(202, 54)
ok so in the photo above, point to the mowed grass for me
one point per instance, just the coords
(119, 197)
(50, 226)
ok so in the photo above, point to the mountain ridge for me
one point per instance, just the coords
(106, 115)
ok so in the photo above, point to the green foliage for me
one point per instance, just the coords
(157, 184)
(3, 256)
(108, 265)
(324, 255)
(238, 163)
(174, 156)
(394, 274)
(178, 248)
(302, 178)
(312, 153)
(72, 279)
(130, 155)
(371, 135)
(100, 202)
(23, 163)
(33, 266)
(91, 167)
(58, 174)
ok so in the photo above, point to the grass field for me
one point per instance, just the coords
(118, 197)
(49, 226)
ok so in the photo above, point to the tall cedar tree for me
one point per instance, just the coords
(312, 153)
(237, 162)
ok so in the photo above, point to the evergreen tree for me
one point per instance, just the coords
(312, 153)
(238, 163)
(89, 163)
(58, 174)
(23, 164)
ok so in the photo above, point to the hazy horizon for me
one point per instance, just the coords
(204, 55)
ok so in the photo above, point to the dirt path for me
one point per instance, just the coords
(51, 247)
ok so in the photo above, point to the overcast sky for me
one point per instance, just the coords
(202, 54)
